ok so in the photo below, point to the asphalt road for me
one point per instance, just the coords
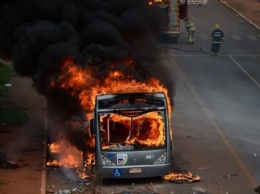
(217, 108)
(216, 117)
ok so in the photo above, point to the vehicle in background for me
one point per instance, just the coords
(175, 11)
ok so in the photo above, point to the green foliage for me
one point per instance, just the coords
(13, 116)
(9, 115)
(2, 183)
(5, 74)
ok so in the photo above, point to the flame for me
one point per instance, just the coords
(146, 129)
(82, 175)
(81, 84)
(155, 135)
(84, 86)
(182, 177)
(69, 156)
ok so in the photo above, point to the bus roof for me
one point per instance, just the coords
(131, 95)
(120, 100)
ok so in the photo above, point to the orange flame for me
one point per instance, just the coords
(183, 177)
(69, 156)
(85, 87)
(82, 85)
(146, 129)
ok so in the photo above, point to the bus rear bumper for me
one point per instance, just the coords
(138, 171)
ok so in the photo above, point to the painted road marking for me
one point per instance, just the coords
(252, 37)
(236, 37)
(178, 55)
(242, 69)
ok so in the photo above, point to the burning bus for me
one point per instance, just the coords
(126, 125)
(132, 135)
(81, 52)
(102, 56)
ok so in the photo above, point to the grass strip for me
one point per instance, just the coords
(9, 115)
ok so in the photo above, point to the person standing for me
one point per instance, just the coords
(217, 36)
(190, 26)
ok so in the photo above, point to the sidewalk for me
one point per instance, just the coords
(249, 10)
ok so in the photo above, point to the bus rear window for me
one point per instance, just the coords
(132, 130)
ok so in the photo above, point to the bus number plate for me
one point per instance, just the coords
(135, 170)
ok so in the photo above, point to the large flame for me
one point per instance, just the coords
(69, 156)
(81, 84)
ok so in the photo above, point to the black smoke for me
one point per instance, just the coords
(38, 35)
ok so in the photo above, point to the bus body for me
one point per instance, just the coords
(132, 135)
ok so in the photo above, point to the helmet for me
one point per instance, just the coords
(216, 26)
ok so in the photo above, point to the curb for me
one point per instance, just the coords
(241, 15)
(44, 154)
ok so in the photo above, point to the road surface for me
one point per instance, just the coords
(217, 109)
(216, 115)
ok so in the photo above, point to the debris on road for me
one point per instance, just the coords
(5, 164)
(138, 192)
(67, 191)
(182, 177)
(8, 85)
(85, 191)
(228, 176)
(196, 190)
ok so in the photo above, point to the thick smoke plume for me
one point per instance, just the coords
(39, 35)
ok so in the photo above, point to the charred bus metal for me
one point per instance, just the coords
(132, 135)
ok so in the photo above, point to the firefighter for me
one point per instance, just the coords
(217, 36)
(190, 26)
